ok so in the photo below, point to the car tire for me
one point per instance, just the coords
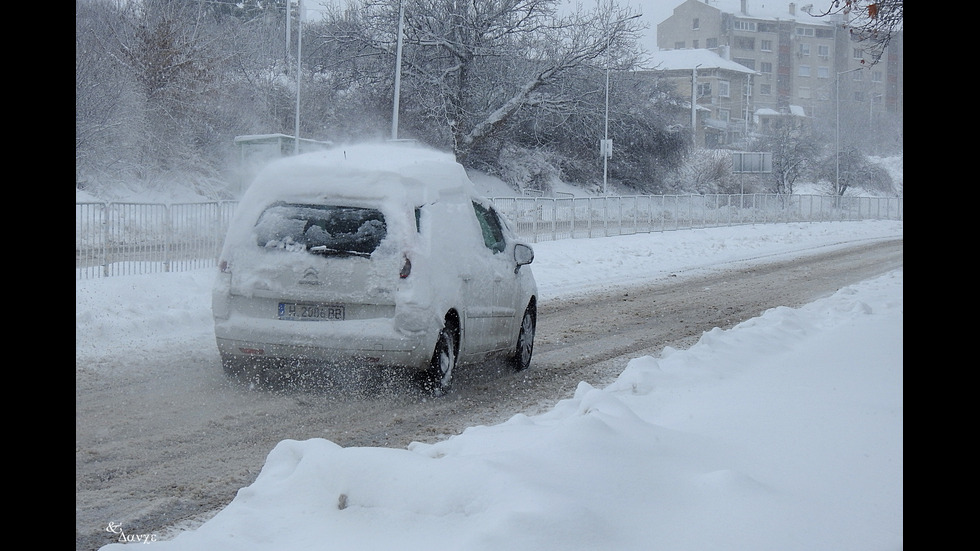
(525, 339)
(438, 378)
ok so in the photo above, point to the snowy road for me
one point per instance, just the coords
(172, 442)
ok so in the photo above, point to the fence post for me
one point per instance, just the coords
(604, 201)
(589, 210)
(168, 237)
(649, 213)
(103, 246)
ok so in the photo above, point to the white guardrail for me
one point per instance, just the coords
(139, 238)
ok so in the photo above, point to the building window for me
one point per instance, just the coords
(704, 90)
(804, 31)
(876, 76)
(823, 72)
(804, 70)
(724, 115)
(765, 89)
(765, 67)
(696, 24)
(804, 49)
(804, 92)
(765, 45)
(711, 43)
(678, 45)
(858, 53)
(724, 89)
(741, 25)
(823, 51)
(744, 43)
(694, 44)
(744, 61)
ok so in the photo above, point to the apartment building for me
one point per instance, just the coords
(800, 62)
(718, 102)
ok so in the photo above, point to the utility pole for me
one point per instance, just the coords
(299, 73)
(289, 35)
(694, 106)
(398, 71)
(605, 145)
(605, 142)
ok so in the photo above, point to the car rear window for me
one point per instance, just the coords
(321, 229)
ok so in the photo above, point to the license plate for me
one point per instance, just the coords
(306, 311)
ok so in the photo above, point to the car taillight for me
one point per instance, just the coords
(406, 269)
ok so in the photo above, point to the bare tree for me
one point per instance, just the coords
(793, 148)
(872, 21)
(852, 169)
(705, 171)
(471, 67)
(101, 90)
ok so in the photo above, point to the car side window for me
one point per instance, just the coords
(493, 234)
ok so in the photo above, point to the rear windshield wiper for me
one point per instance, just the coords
(329, 251)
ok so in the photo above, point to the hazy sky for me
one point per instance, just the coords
(654, 11)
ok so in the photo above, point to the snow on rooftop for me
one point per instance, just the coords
(677, 60)
(773, 10)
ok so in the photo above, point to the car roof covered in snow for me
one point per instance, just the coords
(389, 172)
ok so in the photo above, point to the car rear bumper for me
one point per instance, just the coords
(329, 342)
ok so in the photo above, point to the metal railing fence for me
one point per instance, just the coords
(138, 238)
(544, 218)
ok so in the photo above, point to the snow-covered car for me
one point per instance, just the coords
(375, 255)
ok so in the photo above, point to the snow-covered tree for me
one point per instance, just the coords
(471, 69)
(793, 149)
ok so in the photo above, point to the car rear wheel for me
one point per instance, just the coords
(438, 378)
(525, 339)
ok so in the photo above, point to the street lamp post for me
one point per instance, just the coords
(299, 73)
(398, 72)
(605, 148)
(694, 106)
(837, 126)
(605, 135)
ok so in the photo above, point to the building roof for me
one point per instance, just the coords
(795, 110)
(686, 60)
(773, 10)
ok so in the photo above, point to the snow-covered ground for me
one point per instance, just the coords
(784, 432)
(491, 186)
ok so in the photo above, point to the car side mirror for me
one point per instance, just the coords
(523, 254)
